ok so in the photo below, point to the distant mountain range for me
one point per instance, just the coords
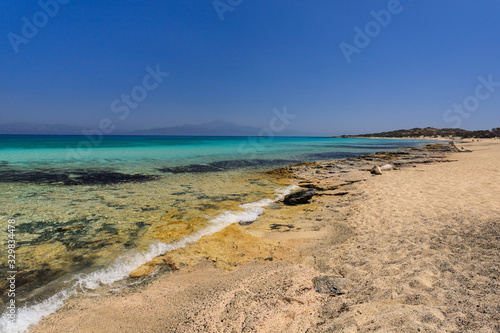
(226, 128)
(27, 128)
(213, 128)
(431, 132)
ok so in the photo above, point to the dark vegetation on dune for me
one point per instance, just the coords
(432, 132)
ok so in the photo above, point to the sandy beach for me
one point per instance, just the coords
(415, 249)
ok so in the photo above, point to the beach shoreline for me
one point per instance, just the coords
(358, 227)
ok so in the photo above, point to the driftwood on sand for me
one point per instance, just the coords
(377, 170)
(459, 150)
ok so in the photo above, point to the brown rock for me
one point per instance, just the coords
(330, 285)
(143, 270)
(151, 266)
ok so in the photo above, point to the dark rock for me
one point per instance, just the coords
(149, 209)
(226, 165)
(192, 168)
(108, 178)
(276, 226)
(344, 308)
(245, 222)
(330, 285)
(69, 178)
(299, 197)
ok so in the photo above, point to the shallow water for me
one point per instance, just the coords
(79, 209)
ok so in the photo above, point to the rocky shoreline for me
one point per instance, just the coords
(411, 250)
(329, 176)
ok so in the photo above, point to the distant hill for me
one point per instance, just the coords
(431, 132)
(28, 128)
(214, 128)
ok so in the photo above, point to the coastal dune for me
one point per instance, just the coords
(416, 247)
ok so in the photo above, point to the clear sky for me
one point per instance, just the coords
(237, 60)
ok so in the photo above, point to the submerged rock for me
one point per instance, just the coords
(299, 197)
(285, 227)
(330, 285)
(151, 266)
(143, 270)
(225, 165)
(192, 168)
(70, 178)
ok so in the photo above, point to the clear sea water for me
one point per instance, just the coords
(90, 211)
(133, 152)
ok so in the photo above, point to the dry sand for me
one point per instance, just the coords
(418, 245)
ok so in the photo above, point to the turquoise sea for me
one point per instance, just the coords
(88, 210)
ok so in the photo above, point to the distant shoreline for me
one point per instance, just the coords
(237, 136)
(430, 132)
(396, 138)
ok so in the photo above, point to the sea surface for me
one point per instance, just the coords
(89, 210)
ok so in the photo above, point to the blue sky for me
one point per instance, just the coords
(262, 55)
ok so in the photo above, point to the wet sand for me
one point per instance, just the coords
(416, 249)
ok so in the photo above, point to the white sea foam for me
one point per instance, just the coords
(121, 267)
(28, 316)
